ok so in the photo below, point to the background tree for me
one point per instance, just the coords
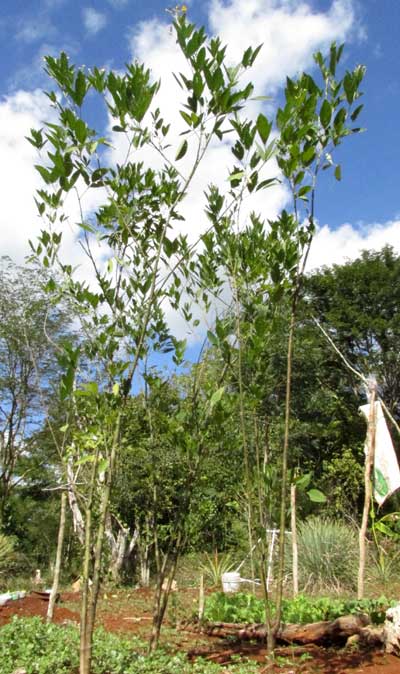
(31, 332)
(358, 303)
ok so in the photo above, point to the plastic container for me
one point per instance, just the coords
(11, 596)
(4, 598)
(231, 581)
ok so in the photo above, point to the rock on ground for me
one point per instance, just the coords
(392, 630)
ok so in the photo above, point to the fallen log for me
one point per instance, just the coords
(323, 632)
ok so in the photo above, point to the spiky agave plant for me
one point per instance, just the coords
(215, 566)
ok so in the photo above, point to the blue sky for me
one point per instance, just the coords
(362, 211)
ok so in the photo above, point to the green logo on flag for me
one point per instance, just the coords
(381, 486)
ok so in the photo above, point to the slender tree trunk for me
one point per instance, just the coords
(144, 566)
(1, 512)
(201, 598)
(295, 565)
(163, 592)
(85, 637)
(77, 519)
(369, 462)
(57, 568)
(84, 667)
(263, 525)
(250, 537)
(105, 498)
(243, 428)
(285, 452)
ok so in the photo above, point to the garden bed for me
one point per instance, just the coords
(129, 614)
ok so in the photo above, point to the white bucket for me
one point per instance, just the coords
(230, 581)
(4, 598)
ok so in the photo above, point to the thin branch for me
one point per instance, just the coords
(356, 372)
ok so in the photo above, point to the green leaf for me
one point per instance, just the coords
(267, 183)
(303, 481)
(308, 155)
(380, 526)
(86, 227)
(186, 117)
(325, 114)
(216, 396)
(88, 458)
(356, 112)
(198, 85)
(316, 496)
(340, 118)
(303, 191)
(236, 176)
(213, 339)
(47, 176)
(182, 150)
(261, 98)
(338, 172)
(349, 86)
(103, 465)
(80, 88)
(246, 57)
(263, 127)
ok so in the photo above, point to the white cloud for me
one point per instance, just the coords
(290, 32)
(93, 20)
(33, 30)
(18, 178)
(32, 75)
(19, 220)
(336, 246)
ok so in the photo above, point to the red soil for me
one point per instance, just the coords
(33, 605)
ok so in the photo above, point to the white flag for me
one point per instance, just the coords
(386, 467)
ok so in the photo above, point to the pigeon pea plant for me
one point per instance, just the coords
(144, 264)
(264, 262)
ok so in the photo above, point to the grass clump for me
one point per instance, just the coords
(327, 554)
(7, 554)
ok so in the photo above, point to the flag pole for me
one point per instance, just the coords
(369, 462)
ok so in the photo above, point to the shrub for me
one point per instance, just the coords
(236, 608)
(327, 555)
